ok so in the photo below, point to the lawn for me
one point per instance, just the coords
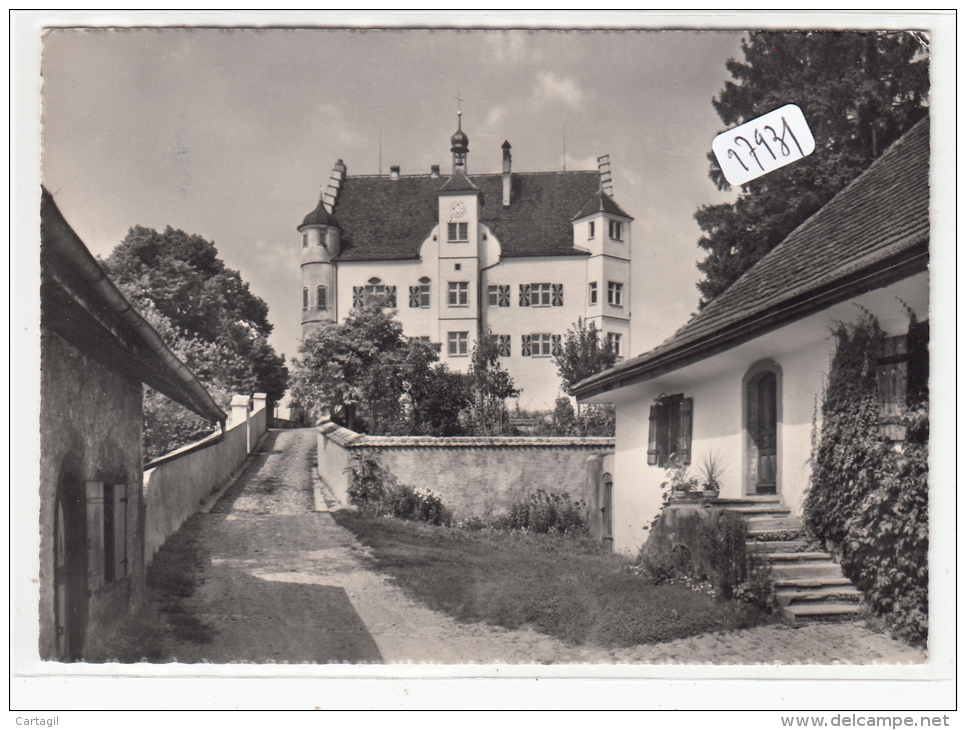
(563, 586)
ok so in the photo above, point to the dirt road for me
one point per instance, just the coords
(264, 577)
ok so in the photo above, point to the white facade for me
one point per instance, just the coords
(799, 354)
(444, 291)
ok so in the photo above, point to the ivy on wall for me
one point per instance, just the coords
(869, 495)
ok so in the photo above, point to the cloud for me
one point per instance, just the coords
(511, 46)
(551, 87)
(332, 119)
(495, 117)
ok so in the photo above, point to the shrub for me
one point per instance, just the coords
(418, 505)
(545, 512)
(723, 547)
(867, 495)
(372, 484)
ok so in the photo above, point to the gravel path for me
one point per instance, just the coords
(268, 579)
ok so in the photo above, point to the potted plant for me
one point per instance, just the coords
(712, 469)
(679, 481)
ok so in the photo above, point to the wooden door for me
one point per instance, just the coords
(763, 428)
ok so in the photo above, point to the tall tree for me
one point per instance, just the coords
(859, 92)
(492, 384)
(223, 326)
(363, 370)
(584, 352)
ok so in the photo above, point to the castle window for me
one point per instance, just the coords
(419, 296)
(545, 295)
(458, 232)
(616, 229)
(590, 229)
(615, 293)
(305, 239)
(365, 295)
(459, 294)
(498, 295)
(457, 343)
(305, 297)
(592, 293)
(321, 297)
(614, 342)
(541, 345)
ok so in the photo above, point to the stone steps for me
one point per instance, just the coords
(808, 586)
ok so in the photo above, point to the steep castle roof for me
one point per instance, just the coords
(873, 232)
(385, 218)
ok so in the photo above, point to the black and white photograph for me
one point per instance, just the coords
(575, 346)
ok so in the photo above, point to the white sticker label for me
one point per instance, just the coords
(764, 144)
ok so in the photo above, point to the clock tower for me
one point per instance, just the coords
(459, 239)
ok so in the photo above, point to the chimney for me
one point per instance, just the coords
(506, 173)
(331, 193)
(434, 171)
(394, 172)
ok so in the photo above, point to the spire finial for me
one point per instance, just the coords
(459, 105)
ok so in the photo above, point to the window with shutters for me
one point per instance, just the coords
(458, 232)
(373, 292)
(321, 297)
(459, 294)
(540, 295)
(541, 345)
(419, 296)
(902, 373)
(669, 432)
(498, 295)
(107, 558)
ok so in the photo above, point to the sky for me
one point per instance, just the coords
(230, 133)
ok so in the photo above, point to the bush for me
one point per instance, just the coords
(868, 496)
(545, 512)
(723, 546)
(417, 505)
(372, 484)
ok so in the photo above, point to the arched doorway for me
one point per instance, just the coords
(762, 407)
(70, 568)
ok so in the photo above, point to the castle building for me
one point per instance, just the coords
(521, 254)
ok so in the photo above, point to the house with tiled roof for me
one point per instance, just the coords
(521, 254)
(744, 377)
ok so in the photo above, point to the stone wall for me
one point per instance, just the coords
(90, 430)
(176, 485)
(474, 477)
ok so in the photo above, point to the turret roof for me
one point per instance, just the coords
(601, 202)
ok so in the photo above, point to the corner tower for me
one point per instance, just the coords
(321, 244)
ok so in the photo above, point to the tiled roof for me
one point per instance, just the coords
(458, 183)
(601, 202)
(382, 218)
(880, 218)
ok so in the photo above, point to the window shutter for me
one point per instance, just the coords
(525, 351)
(557, 295)
(653, 457)
(391, 296)
(95, 535)
(414, 297)
(120, 531)
(524, 296)
(556, 348)
(684, 430)
(358, 296)
(504, 295)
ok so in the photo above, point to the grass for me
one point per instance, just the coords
(564, 586)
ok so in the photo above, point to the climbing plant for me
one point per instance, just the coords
(869, 495)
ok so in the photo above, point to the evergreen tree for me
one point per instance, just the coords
(859, 92)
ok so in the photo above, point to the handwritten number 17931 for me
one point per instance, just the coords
(760, 142)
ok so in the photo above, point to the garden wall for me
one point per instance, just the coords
(176, 484)
(473, 476)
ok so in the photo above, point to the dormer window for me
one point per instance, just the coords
(616, 230)
(458, 232)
